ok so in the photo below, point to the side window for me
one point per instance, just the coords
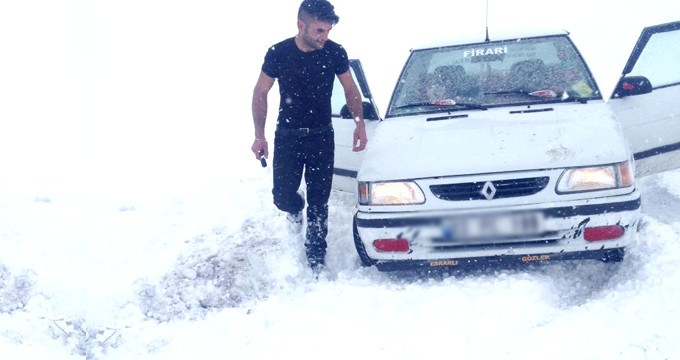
(338, 96)
(338, 100)
(658, 60)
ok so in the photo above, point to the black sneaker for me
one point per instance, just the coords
(316, 264)
(318, 269)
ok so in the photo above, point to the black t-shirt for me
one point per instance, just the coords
(305, 81)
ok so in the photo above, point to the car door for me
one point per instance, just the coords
(347, 162)
(646, 99)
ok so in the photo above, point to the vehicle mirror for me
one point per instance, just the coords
(344, 112)
(369, 112)
(632, 85)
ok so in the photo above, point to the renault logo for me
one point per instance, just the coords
(488, 191)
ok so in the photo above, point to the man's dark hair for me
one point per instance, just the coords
(321, 10)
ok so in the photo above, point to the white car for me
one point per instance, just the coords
(504, 151)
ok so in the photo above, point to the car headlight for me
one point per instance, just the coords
(595, 178)
(390, 193)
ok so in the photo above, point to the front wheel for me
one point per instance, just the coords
(361, 250)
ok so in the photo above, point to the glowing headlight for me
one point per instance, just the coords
(390, 193)
(595, 178)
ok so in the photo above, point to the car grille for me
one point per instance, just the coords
(504, 189)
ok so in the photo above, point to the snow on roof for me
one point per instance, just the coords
(494, 35)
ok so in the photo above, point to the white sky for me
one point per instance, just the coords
(125, 133)
(133, 90)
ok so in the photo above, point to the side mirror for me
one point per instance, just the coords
(369, 112)
(632, 85)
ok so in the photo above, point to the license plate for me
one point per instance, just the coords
(484, 227)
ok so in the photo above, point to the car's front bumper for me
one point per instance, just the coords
(561, 236)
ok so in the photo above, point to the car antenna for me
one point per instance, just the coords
(487, 20)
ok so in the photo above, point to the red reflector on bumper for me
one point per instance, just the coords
(391, 245)
(603, 233)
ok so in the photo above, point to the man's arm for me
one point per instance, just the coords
(264, 84)
(355, 107)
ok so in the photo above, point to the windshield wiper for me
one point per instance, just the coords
(576, 99)
(472, 106)
(546, 94)
(418, 105)
(443, 105)
(513, 92)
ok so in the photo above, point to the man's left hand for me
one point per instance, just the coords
(360, 139)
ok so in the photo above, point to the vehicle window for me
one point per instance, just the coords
(658, 60)
(338, 100)
(491, 74)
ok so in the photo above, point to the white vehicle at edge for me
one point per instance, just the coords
(504, 151)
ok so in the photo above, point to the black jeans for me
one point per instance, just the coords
(312, 155)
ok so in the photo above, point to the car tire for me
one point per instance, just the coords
(366, 261)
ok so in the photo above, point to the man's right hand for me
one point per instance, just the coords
(260, 148)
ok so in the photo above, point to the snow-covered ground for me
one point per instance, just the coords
(135, 224)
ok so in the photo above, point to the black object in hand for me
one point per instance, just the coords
(263, 161)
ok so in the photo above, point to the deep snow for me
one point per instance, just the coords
(135, 224)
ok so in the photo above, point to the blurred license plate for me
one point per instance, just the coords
(493, 226)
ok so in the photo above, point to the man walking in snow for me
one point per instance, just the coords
(306, 66)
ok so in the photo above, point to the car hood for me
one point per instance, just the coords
(492, 141)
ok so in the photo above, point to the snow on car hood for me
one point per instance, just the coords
(494, 141)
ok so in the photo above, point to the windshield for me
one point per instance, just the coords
(505, 73)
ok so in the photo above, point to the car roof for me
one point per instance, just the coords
(494, 35)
